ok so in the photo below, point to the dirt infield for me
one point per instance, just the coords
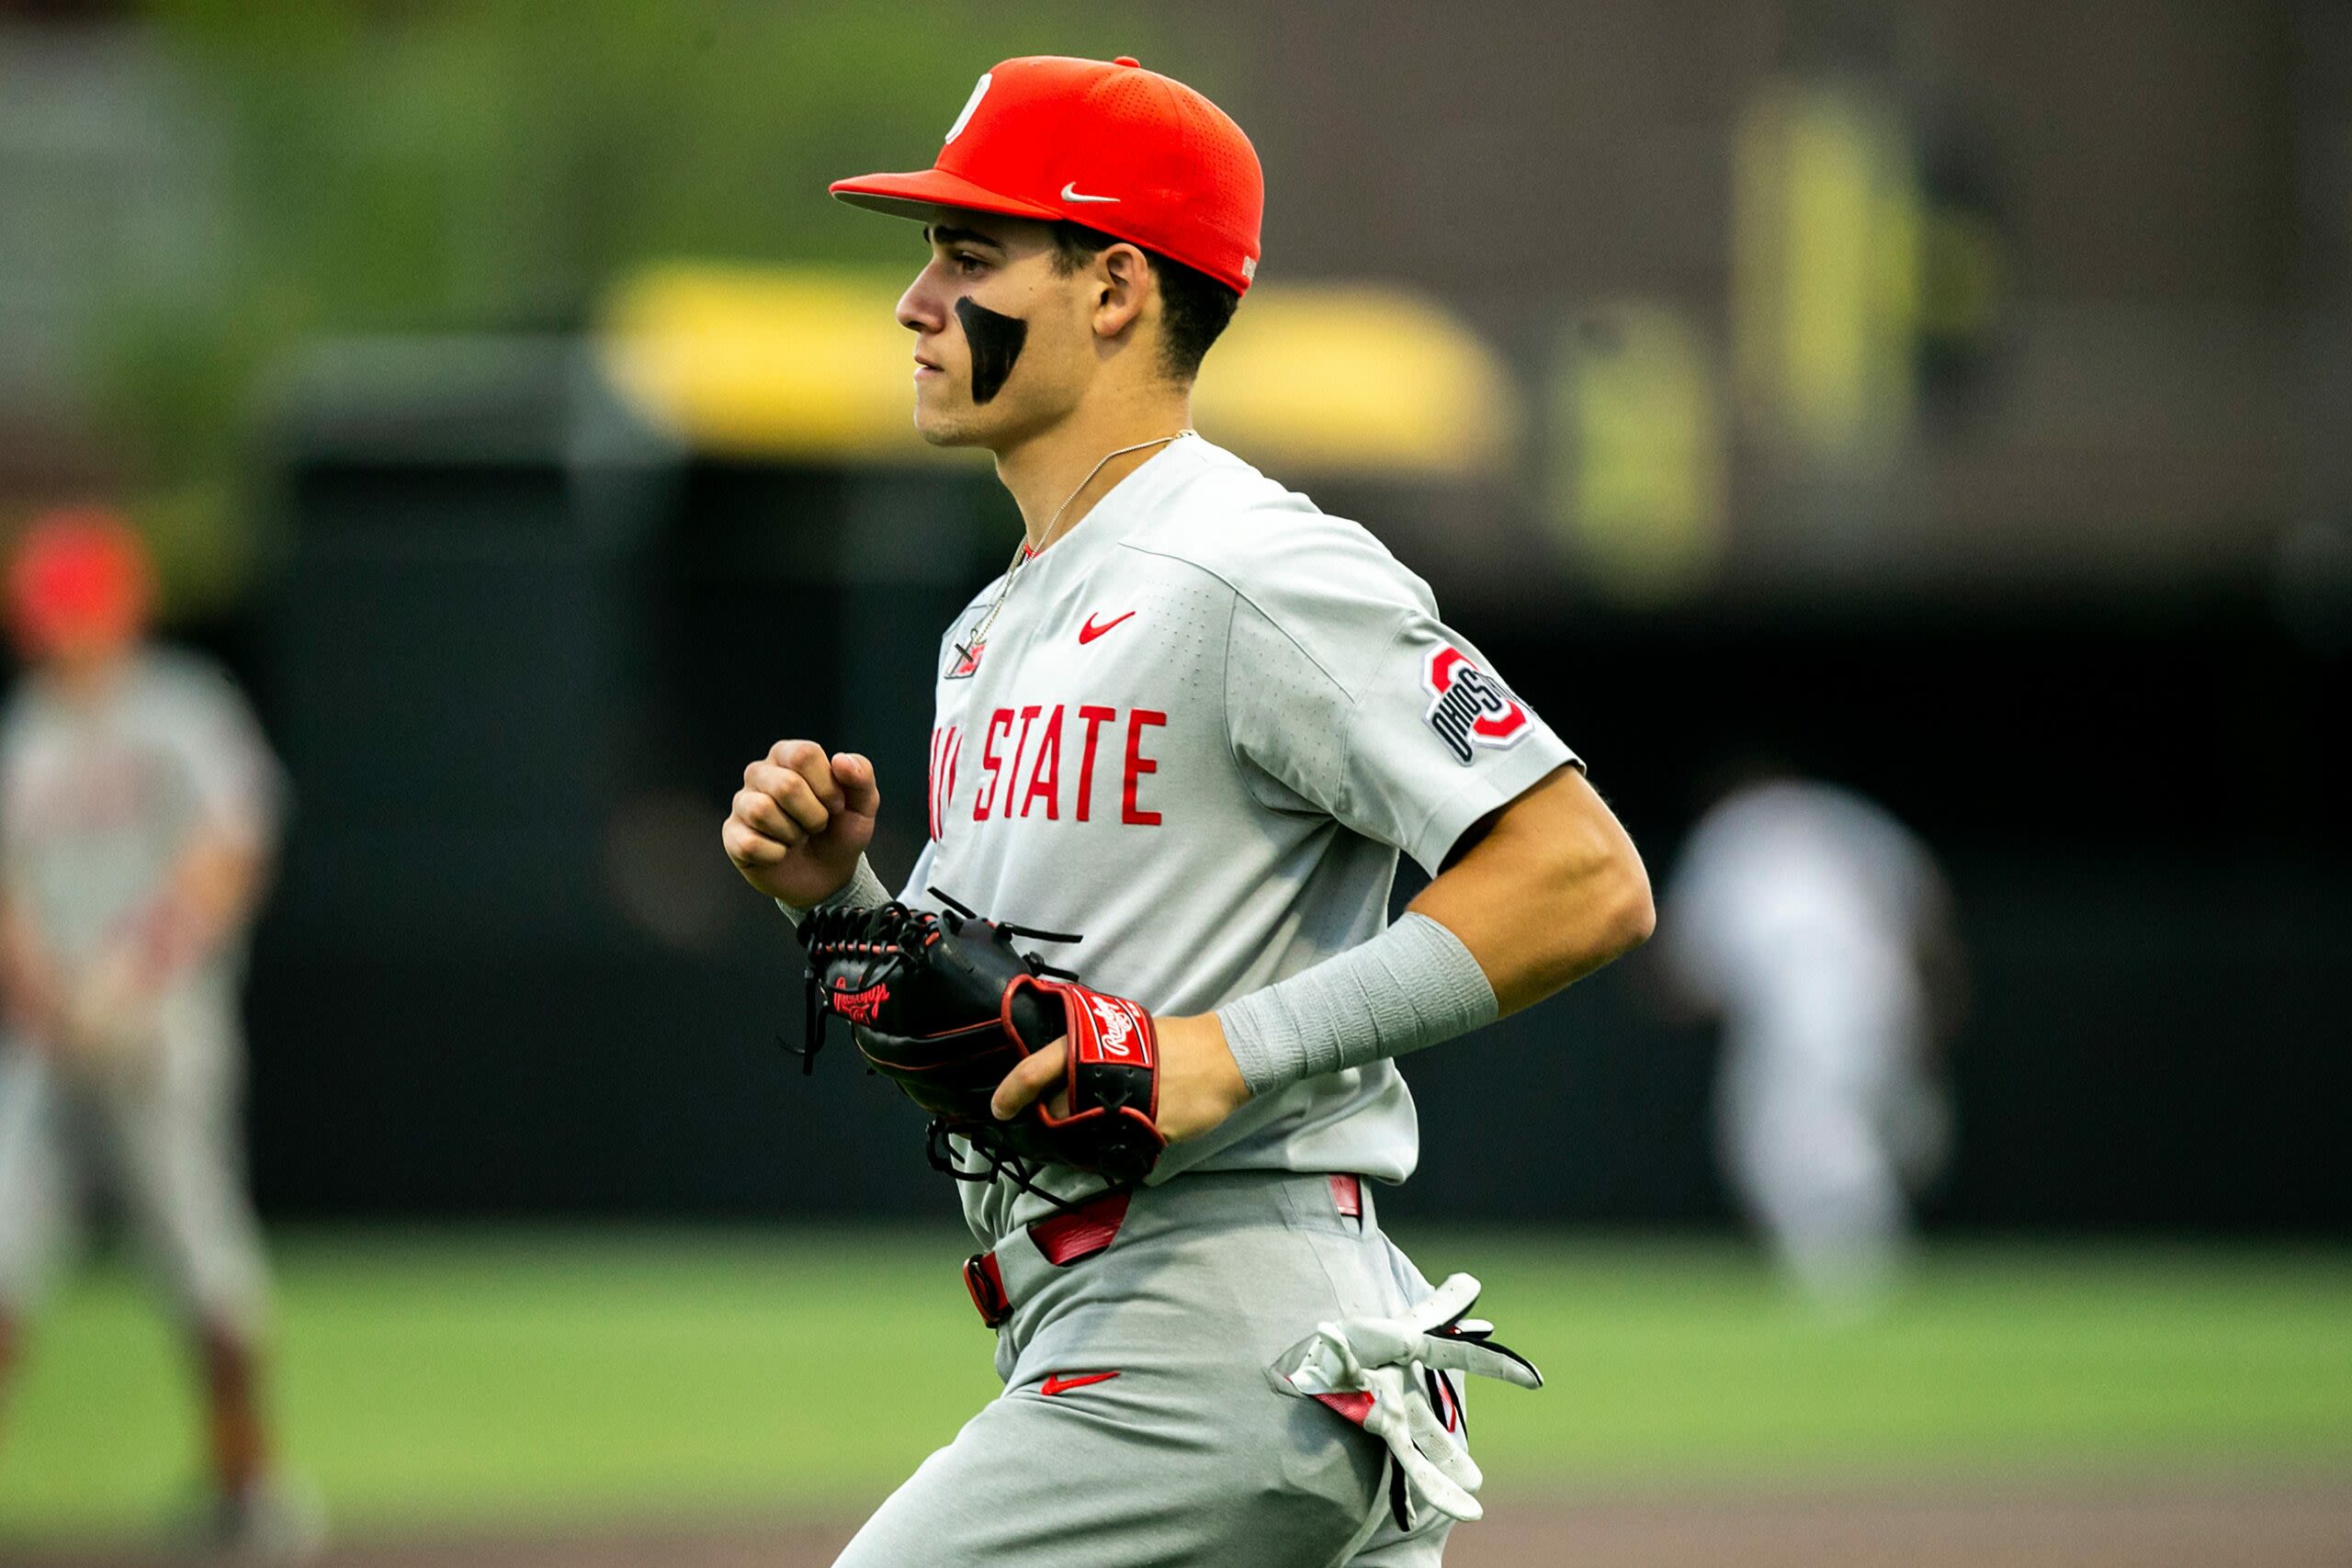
(2173, 1528)
(2304, 1524)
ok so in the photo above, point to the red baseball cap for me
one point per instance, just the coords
(78, 573)
(1106, 144)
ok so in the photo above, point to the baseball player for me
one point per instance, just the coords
(138, 810)
(1179, 745)
(1818, 928)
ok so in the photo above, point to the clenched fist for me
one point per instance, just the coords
(801, 821)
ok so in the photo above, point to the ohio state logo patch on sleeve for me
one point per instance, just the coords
(1468, 707)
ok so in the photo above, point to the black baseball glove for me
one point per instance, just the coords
(946, 1006)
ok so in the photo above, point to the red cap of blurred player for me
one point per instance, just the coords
(1106, 144)
(79, 575)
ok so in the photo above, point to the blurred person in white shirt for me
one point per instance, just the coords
(1818, 930)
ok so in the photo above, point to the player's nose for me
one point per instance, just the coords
(921, 308)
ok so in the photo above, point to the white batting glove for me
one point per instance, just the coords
(1390, 1359)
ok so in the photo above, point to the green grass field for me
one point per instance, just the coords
(527, 1378)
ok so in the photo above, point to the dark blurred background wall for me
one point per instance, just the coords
(1949, 397)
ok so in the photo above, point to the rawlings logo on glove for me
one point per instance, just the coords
(859, 1007)
(944, 1006)
(1111, 1020)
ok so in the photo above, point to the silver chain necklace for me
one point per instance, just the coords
(1023, 553)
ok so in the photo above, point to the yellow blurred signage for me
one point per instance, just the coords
(811, 364)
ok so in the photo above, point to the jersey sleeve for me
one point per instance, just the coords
(1345, 694)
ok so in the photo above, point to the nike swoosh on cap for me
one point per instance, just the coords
(1070, 192)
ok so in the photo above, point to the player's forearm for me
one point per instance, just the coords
(210, 892)
(863, 890)
(27, 977)
(1552, 892)
(1409, 987)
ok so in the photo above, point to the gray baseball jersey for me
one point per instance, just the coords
(97, 801)
(1197, 735)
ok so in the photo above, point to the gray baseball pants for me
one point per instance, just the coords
(170, 1146)
(1194, 1452)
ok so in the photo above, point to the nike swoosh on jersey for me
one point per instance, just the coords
(1089, 631)
(1070, 192)
(1056, 1383)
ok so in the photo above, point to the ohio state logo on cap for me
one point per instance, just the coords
(1105, 143)
(1469, 707)
(965, 118)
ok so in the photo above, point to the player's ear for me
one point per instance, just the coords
(1122, 276)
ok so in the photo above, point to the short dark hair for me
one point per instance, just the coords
(1194, 307)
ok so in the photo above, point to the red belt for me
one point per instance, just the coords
(1079, 1234)
(1062, 1239)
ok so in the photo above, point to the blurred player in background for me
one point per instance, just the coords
(1819, 930)
(139, 808)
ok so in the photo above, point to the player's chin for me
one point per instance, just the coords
(943, 427)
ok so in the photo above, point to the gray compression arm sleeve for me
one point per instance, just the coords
(863, 890)
(1411, 985)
